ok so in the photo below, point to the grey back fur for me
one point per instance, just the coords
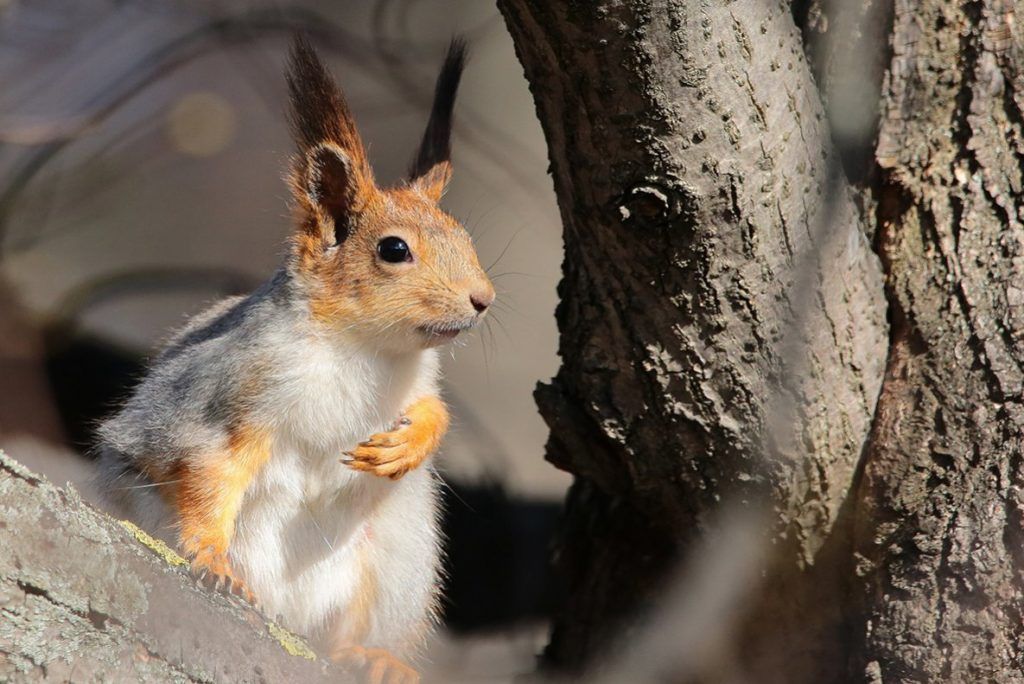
(198, 384)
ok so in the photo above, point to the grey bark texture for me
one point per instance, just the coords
(724, 331)
(84, 598)
(719, 297)
(939, 533)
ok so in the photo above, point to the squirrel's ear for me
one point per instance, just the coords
(434, 182)
(331, 171)
(332, 185)
(431, 169)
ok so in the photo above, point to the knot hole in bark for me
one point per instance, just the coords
(653, 203)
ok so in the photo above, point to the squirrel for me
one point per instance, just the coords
(283, 439)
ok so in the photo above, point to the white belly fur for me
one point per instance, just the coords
(304, 553)
(310, 528)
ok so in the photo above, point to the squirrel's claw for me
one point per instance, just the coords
(387, 454)
(414, 437)
(212, 570)
(394, 468)
(386, 439)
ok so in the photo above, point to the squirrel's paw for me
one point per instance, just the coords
(213, 571)
(393, 454)
(378, 665)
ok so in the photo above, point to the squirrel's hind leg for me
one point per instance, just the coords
(353, 626)
(207, 498)
(378, 665)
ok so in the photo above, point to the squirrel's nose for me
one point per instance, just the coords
(481, 300)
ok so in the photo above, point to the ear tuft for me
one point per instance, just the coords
(436, 148)
(331, 175)
(319, 112)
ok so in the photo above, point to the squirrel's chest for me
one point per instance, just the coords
(324, 401)
(306, 515)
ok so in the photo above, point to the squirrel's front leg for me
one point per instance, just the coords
(416, 436)
(208, 496)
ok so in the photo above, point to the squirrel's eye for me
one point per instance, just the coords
(394, 250)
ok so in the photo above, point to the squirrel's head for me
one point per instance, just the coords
(384, 264)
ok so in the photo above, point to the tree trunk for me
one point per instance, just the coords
(83, 598)
(719, 294)
(723, 324)
(939, 532)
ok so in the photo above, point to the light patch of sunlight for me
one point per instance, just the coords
(201, 124)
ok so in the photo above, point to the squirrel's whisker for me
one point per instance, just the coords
(147, 486)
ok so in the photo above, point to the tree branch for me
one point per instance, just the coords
(84, 596)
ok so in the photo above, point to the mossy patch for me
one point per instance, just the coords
(158, 547)
(291, 642)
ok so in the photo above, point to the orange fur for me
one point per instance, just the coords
(418, 435)
(341, 215)
(435, 181)
(379, 664)
(313, 216)
(208, 496)
(348, 285)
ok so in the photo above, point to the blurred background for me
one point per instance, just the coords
(142, 146)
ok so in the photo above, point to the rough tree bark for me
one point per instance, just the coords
(724, 336)
(84, 598)
(939, 533)
(719, 292)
